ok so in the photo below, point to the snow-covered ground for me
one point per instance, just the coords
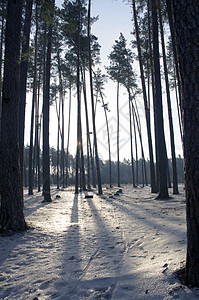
(106, 247)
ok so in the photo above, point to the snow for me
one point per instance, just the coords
(124, 247)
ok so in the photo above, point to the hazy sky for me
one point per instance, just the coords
(114, 17)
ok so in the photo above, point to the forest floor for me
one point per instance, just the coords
(124, 247)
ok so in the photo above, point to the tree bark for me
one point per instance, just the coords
(11, 215)
(186, 25)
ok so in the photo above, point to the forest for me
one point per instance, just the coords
(50, 61)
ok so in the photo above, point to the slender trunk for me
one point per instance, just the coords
(62, 104)
(144, 175)
(1, 54)
(32, 116)
(118, 137)
(131, 139)
(83, 181)
(162, 158)
(174, 167)
(142, 148)
(23, 76)
(146, 104)
(38, 154)
(37, 129)
(109, 144)
(68, 139)
(46, 109)
(58, 109)
(78, 115)
(30, 169)
(87, 131)
(25, 172)
(136, 149)
(92, 104)
(153, 94)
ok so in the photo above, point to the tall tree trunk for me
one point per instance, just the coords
(78, 114)
(136, 148)
(118, 136)
(131, 138)
(68, 139)
(162, 158)
(173, 38)
(30, 168)
(11, 214)
(186, 25)
(92, 105)
(174, 167)
(144, 175)
(34, 97)
(23, 77)
(46, 108)
(153, 94)
(38, 154)
(146, 105)
(108, 138)
(87, 130)
(83, 180)
(1, 54)
(58, 109)
(37, 150)
(62, 104)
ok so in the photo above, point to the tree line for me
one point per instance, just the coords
(67, 179)
(62, 43)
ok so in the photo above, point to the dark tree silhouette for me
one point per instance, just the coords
(23, 78)
(161, 145)
(12, 217)
(186, 23)
(46, 107)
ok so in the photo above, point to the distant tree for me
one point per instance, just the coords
(11, 214)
